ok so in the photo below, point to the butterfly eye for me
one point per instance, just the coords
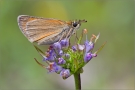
(75, 24)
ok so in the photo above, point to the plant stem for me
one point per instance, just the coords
(77, 81)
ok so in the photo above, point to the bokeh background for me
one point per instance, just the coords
(112, 69)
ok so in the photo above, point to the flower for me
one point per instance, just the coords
(66, 59)
(61, 61)
(67, 56)
(89, 56)
(64, 43)
(88, 46)
(60, 52)
(57, 46)
(65, 73)
(74, 48)
(50, 55)
(58, 69)
(53, 67)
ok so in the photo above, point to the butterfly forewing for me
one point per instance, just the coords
(41, 29)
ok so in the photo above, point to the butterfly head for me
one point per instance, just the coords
(77, 23)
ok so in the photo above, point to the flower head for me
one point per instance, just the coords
(66, 59)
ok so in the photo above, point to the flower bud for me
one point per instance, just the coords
(61, 61)
(57, 46)
(74, 48)
(64, 43)
(60, 52)
(65, 73)
(67, 56)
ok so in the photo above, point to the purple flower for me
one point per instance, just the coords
(58, 69)
(61, 61)
(88, 57)
(67, 56)
(60, 52)
(74, 48)
(51, 55)
(88, 46)
(53, 67)
(65, 59)
(65, 73)
(64, 43)
(57, 46)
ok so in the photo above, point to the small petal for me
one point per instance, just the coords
(94, 55)
(50, 58)
(88, 46)
(81, 47)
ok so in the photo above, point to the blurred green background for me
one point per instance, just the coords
(112, 69)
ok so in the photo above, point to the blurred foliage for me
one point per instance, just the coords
(112, 69)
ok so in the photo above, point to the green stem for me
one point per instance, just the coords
(77, 81)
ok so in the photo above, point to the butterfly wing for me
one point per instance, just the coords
(41, 30)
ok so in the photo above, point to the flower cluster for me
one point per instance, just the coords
(66, 59)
